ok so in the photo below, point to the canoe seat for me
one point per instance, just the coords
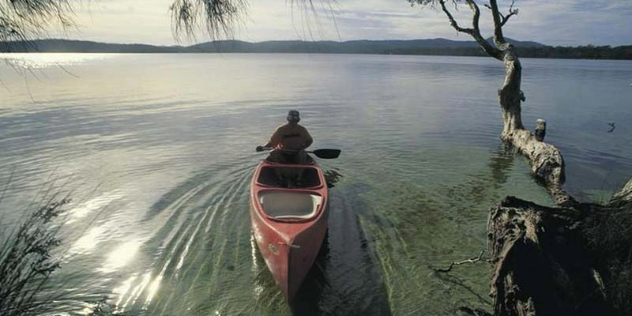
(289, 205)
(269, 176)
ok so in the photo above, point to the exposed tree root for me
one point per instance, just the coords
(563, 260)
(539, 265)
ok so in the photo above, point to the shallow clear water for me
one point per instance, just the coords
(157, 152)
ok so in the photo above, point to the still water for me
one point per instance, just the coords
(157, 152)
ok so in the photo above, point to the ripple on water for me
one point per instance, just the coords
(162, 154)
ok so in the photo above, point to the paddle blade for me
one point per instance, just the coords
(327, 153)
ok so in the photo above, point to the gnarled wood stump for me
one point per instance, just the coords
(539, 266)
(562, 261)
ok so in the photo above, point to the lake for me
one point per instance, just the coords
(157, 151)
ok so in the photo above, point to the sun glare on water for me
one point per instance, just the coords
(47, 60)
(121, 256)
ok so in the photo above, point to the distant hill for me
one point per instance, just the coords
(436, 46)
(234, 46)
(74, 46)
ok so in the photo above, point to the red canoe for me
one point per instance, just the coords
(289, 224)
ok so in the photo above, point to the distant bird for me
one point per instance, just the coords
(612, 127)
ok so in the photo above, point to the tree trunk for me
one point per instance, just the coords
(547, 164)
(510, 94)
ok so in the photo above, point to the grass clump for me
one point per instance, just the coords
(27, 261)
(609, 237)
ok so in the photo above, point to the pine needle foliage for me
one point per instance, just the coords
(27, 261)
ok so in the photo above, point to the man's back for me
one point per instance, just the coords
(291, 136)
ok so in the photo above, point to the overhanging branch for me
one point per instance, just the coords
(217, 17)
(453, 22)
(21, 20)
(505, 18)
(489, 49)
(512, 12)
(475, 30)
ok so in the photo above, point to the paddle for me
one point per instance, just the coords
(325, 153)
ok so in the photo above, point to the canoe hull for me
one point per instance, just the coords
(289, 246)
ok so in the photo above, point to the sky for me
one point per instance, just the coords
(551, 22)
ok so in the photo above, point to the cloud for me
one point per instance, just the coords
(559, 22)
(574, 22)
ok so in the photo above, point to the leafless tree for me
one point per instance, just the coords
(547, 163)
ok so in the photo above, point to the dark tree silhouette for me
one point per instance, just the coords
(21, 20)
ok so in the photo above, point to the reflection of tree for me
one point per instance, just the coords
(332, 176)
(500, 163)
(411, 228)
(482, 186)
(345, 278)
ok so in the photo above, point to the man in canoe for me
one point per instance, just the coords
(289, 142)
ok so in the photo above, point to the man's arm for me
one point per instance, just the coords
(275, 140)
(308, 139)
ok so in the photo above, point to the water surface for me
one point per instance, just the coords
(157, 152)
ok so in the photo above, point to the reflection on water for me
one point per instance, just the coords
(331, 177)
(121, 256)
(89, 240)
(168, 142)
(48, 60)
(95, 204)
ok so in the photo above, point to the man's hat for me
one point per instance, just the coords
(293, 115)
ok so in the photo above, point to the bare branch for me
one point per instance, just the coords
(499, 39)
(499, 21)
(512, 12)
(506, 18)
(476, 17)
(458, 263)
(477, 31)
(453, 22)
